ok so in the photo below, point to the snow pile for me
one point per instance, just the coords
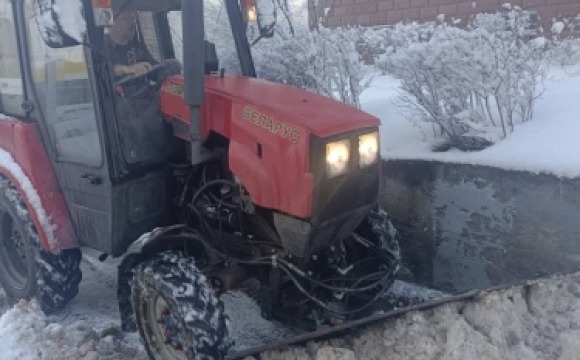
(93, 315)
(247, 327)
(546, 144)
(539, 321)
(26, 333)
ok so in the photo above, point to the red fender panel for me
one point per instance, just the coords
(23, 142)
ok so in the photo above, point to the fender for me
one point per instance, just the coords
(24, 161)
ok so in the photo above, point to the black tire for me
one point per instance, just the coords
(124, 278)
(26, 271)
(378, 226)
(198, 325)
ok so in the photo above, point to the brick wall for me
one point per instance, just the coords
(333, 13)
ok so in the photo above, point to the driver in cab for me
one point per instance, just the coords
(129, 55)
(137, 78)
(132, 60)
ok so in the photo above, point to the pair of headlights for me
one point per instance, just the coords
(338, 153)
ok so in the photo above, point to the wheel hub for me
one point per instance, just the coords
(13, 252)
(162, 329)
(170, 330)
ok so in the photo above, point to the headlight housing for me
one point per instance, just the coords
(368, 149)
(337, 158)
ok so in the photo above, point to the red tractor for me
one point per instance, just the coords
(231, 177)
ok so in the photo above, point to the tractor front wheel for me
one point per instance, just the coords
(177, 313)
(26, 271)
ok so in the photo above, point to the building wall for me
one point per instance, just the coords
(333, 13)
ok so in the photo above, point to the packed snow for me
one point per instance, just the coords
(535, 322)
(89, 327)
(546, 144)
(91, 321)
(27, 334)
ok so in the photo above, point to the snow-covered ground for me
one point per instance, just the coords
(89, 327)
(538, 322)
(546, 144)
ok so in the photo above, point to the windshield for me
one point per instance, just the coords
(217, 31)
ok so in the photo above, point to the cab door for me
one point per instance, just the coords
(61, 101)
(71, 99)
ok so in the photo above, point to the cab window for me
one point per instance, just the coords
(62, 84)
(148, 32)
(11, 89)
(218, 31)
(138, 69)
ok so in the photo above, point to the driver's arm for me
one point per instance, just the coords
(140, 68)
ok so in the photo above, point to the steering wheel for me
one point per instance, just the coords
(128, 78)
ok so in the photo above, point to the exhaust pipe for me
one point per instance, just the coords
(193, 73)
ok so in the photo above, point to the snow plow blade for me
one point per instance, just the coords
(340, 330)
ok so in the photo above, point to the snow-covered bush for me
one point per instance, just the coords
(324, 61)
(566, 52)
(383, 40)
(565, 42)
(474, 82)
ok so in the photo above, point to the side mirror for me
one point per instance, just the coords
(266, 10)
(211, 58)
(263, 12)
(60, 26)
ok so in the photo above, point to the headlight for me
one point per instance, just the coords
(368, 149)
(337, 157)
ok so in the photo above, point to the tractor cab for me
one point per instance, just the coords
(90, 77)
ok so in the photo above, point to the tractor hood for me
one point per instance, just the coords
(276, 141)
(313, 113)
(317, 114)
